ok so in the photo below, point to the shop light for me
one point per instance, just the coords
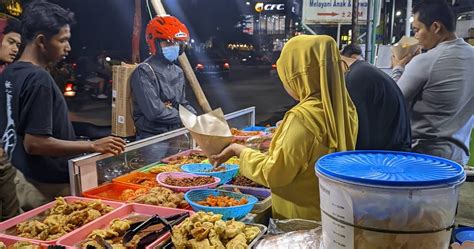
(226, 65)
(398, 13)
(69, 90)
(199, 66)
(69, 87)
(108, 59)
(411, 19)
(247, 3)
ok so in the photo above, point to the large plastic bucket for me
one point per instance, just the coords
(387, 200)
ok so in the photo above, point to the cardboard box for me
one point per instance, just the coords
(405, 46)
(122, 111)
(471, 41)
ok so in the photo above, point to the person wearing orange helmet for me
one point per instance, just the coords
(157, 83)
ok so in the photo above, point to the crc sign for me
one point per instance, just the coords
(260, 7)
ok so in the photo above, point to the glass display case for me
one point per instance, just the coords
(92, 170)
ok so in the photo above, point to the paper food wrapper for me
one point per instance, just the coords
(405, 46)
(210, 131)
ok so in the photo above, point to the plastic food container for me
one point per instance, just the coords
(160, 178)
(263, 195)
(236, 212)
(181, 154)
(463, 234)
(11, 223)
(110, 191)
(129, 179)
(382, 199)
(255, 128)
(76, 237)
(263, 230)
(205, 169)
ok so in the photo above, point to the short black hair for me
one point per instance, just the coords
(13, 26)
(351, 49)
(44, 17)
(430, 11)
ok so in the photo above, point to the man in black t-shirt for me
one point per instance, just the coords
(383, 119)
(10, 46)
(44, 134)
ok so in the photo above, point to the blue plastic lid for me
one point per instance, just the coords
(464, 234)
(389, 168)
(254, 128)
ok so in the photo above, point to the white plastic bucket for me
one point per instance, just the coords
(366, 216)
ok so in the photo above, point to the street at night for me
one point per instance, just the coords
(246, 87)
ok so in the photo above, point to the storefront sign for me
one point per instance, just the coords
(262, 7)
(332, 11)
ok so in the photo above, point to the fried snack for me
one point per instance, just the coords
(244, 181)
(112, 234)
(236, 132)
(144, 181)
(23, 245)
(190, 181)
(166, 168)
(185, 159)
(129, 194)
(208, 230)
(62, 218)
(222, 201)
(160, 196)
(232, 160)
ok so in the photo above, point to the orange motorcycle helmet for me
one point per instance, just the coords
(165, 28)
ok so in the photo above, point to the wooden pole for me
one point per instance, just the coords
(187, 69)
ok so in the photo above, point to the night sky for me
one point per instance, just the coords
(107, 24)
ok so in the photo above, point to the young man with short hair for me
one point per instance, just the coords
(10, 46)
(438, 85)
(352, 51)
(44, 137)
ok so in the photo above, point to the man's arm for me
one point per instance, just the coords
(147, 95)
(397, 73)
(184, 102)
(49, 146)
(37, 118)
(414, 76)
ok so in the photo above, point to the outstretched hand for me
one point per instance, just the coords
(113, 145)
(226, 154)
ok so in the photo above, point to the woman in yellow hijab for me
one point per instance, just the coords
(324, 121)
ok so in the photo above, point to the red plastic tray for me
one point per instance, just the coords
(184, 153)
(110, 191)
(35, 212)
(77, 236)
(126, 179)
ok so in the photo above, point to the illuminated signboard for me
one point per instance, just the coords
(262, 7)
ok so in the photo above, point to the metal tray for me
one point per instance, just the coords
(263, 230)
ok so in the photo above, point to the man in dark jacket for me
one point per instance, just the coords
(158, 84)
